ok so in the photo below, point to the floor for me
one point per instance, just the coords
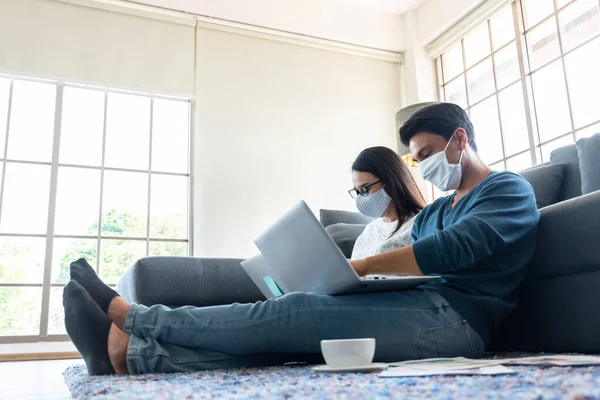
(35, 380)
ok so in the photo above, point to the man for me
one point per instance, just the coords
(479, 239)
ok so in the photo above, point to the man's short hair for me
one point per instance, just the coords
(440, 119)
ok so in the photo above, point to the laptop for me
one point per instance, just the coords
(298, 255)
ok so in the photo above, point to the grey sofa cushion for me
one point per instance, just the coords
(330, 217)
(547, 181)
(589, 163)
(572, 181)
(181, 281)
(344, 235)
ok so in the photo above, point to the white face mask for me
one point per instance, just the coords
(374, 204)
(438, 170)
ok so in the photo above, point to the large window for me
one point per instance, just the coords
(84, 172)
(526, 77)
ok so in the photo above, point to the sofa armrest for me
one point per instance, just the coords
(567, 238)
(180, 281)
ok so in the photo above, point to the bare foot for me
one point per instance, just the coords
(117, 349)
(117, 311)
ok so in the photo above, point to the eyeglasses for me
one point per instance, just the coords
(362, 190)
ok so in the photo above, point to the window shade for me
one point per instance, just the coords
(60, 40)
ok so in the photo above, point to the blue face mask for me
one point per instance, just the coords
(374, 204)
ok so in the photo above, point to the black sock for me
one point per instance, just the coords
(88, 328)
(85, 275)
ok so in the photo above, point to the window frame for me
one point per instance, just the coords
(526, 72)
(54, 164)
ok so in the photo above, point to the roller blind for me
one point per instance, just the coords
(60, 40)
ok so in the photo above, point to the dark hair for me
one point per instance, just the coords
(441, 119)
(387, 166)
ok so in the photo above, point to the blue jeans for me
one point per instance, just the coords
(406, 325)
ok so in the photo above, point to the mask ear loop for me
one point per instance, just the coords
(446, 148)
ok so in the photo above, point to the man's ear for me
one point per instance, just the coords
(460, 135)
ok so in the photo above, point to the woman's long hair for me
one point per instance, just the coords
(387, 166)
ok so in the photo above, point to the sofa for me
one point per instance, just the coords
(558, 300)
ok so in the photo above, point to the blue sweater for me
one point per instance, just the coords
(480, 247)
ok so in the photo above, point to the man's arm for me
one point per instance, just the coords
(504, 211)
(398, 261)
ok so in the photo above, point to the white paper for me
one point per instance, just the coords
(447, 364)
(461, 363)
(396, 372)
(559, 360)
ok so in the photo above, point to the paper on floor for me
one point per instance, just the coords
(396, 372)
(460, 363)
(557, 360)
(448, 364)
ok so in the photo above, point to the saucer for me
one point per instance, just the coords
(359, 368)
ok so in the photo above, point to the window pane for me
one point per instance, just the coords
(536, 10)
(168, 249)
(170, 133)
(56, 316)
(20, 310)
(498, 166)
(480, 81)
(550, 147)
(578, 23)
(453, 62)
(560, 3)
(542, 44)
(25, 206)
(487, 130)
(127, 131)
(584, 83)
(22, 259)
(455, 92)
(32, 99)
(169, 207)
(125, 204)
(514, 123)
(551, 105)
(587, 132)
(507, 66)
(477, 45)
(77, 201)
(67, 250)
(502, 25)
(82, 126)
(117, 256)
(519, 163)
(4, 95)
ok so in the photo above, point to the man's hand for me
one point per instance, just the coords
(360, 266)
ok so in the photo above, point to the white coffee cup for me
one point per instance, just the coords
(348, 352)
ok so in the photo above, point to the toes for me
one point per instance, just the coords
(73, 288)
(82, 261)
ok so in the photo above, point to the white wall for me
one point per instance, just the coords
(419, 75)
(276, 123)
(320, 18)
(437, 16)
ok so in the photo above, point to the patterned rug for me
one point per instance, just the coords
(299, 382)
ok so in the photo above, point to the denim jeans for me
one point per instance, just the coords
(406, 325)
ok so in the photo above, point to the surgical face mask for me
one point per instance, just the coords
(438, 170)
(374, 204)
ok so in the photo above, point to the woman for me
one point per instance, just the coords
(384, 189)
